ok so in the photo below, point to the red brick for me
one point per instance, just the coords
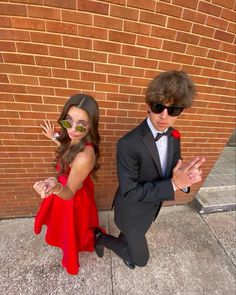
(45, 38)
(107, 22)
(7, 46)
(61, 28)
(93, 77)
(134, 51)
(209, 43)
(7, 68)
(231, 48)
(124, 12)
(229, 3)
(52, 82)
(28, 23)
(223, 66)
(224, 36)
(93, 6)
(164, 33)
(205, 62)
(119, 79)
(149, 42)
(6, 97)
(70, 74)
(216, 22)
(228, 14)
(13, 9)
(43, 108)
(32, 48)
(77, 42)
(4, 78)
(203, 30)
(232, 28)
(197, 50)
(68, 4)
(91, 32)
(9, 114)
(174, 46)
(153, 18)
(63, 52)
(36, 71)
(131, 71)
(159, 54)
(107, 46)
(28, 98)
(44, 12)
(120, 60)
(79, 65)
(16, 106)
(8, 34)
(5, 22)
(77, 17)
(165, 66)
(186, 3)
(93, 56)
(26, 80)
(209, 8)
(144, 63)
(50, 61)
(138, 28)
(182, 58)
(194, 16)
(218, 55)
(106, 68)
(122, 37)
(150, 5)
(106, 87)
(187, 38)
(18, 58)
(169, 9)
(179, 24)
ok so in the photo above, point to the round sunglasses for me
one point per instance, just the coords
(172, 110)
(80, 127)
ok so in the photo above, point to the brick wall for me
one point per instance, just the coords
(51, 49)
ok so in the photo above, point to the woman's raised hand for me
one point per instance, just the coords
(48, 129)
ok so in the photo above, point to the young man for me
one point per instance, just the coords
(150, 168)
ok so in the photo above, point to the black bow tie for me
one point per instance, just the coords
(159, 135)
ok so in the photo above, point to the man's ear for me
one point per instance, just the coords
(148, 108)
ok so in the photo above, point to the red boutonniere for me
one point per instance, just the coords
(175, 133)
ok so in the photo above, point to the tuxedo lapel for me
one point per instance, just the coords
(151, 147)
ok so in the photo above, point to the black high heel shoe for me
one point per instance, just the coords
(99, 249)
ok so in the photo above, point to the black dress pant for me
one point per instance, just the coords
(133, 249)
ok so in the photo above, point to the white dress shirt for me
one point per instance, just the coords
(161, 144)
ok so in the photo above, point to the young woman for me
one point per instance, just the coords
(68, 208)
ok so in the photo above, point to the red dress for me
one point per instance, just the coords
(70, 223)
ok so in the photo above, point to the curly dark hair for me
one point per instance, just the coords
(174, 87)
(65, 154)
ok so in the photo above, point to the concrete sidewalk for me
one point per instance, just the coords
(189, 255)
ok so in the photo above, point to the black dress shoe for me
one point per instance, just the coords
(129, 264)
(99, 249)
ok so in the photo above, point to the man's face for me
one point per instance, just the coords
(162, 120)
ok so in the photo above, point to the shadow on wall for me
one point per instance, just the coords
(232, 139)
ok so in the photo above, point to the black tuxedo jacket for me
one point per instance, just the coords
(142, 186)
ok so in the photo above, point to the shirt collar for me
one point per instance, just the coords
(153, 129)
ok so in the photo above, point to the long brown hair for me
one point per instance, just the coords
(65, 154)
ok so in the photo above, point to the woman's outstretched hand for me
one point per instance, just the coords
(45, 187)
(48, 129)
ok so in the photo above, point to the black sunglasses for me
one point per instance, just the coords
(172, 110)
(79, 127)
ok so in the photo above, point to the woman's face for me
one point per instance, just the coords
(79, 122)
